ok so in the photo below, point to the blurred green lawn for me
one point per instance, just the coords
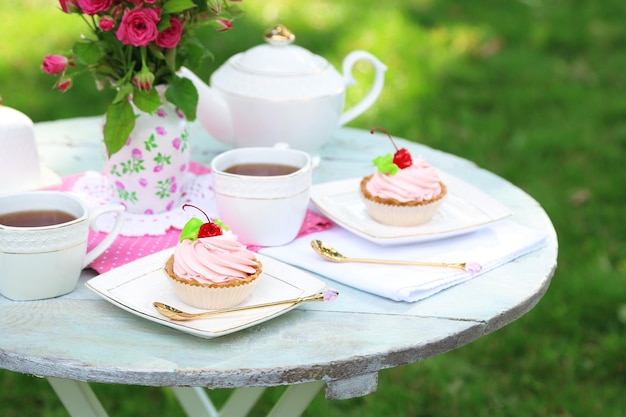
(532, 90)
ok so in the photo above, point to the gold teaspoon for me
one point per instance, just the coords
(173, 313)
(332, 254)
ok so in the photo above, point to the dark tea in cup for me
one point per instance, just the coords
(261, 169)
(35, 218)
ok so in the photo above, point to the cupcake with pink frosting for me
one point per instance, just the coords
(402, 191)
(210, 269)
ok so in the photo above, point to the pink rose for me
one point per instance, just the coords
(223, 25)
(106, 24)
(176, 143)
(92, 7)
(170, 37)
(117, 10)
(138, 27)
(68, 6)
(144, 79)
(136, 153)
(54, 64)
(64, 84)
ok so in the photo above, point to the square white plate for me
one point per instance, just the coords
(465, 209)
(136, 285)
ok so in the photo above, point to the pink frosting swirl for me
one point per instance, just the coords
(213, 259)
(418, 182)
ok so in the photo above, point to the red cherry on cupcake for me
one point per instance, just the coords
(208, 229)
(402, 157)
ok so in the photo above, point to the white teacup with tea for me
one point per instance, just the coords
(262, 193)
(43, 242)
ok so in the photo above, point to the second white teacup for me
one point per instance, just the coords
(262, 193)
(43, 242)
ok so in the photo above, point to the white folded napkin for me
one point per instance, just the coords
(491, 247)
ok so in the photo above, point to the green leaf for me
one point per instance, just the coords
(220, 224)
(122, 93)
(164, 23)
(196, 53)
(156, 51)
(191, 229)
(120, 121)
(147, 101)
(87, 52)
(175, 6)
(385, 164)
(183, 94)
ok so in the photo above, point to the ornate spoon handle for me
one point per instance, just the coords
(173, 313)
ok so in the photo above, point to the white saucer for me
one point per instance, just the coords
(136, 285)
(465, 209)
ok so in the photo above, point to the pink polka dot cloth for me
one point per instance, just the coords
(143, 235)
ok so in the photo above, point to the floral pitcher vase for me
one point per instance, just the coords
(147, 175)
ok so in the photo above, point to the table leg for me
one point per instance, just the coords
(296, 399)
(197, 403)
(80, 401)
(77, 397)
(240, 402)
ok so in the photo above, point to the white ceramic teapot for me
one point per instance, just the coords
(20, 168)
(279, 92)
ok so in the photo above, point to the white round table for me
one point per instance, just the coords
(81, 338)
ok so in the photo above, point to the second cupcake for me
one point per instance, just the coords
(402, 191)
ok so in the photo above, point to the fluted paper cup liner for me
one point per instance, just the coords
(212, 296)
(395, 213)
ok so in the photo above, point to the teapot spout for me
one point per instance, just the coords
(213, 112)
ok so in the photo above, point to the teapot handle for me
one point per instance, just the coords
(369, 99)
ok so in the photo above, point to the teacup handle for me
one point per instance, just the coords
(377, 87)
(108, 240)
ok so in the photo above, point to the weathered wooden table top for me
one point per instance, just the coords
(82, 337)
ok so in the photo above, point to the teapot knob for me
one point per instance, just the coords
(279, 35)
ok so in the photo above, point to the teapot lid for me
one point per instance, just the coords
(279, 57)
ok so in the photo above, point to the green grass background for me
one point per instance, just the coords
(532, 90)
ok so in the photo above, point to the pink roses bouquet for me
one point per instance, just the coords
(136, 45)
